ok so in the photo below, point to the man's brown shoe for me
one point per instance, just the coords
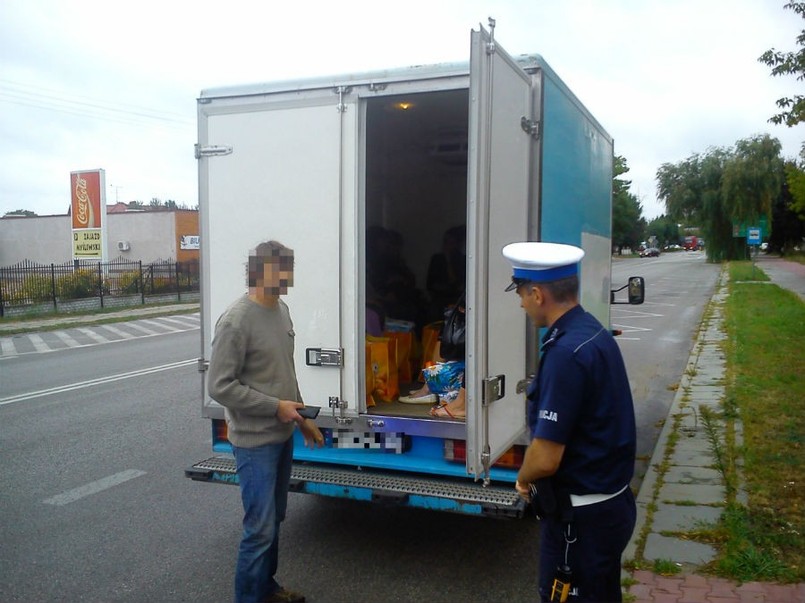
(286, 596)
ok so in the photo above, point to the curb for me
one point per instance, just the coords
(649, 488)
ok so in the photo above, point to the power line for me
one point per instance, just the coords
(30, 96)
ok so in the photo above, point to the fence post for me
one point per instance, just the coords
(100, 282)
(178, 285)
(2, 302)
(53, 286)
(142, 283)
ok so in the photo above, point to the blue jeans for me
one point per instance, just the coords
(264, 474)
(601, 533)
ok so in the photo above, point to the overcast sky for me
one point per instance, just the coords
(112, 85)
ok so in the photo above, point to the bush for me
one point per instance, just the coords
(128, 282)
(81, 283)
(162, 284)
(34, 288)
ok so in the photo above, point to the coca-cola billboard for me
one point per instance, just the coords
(85, 198)
(88, 213)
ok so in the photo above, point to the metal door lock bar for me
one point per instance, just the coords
(324, 357)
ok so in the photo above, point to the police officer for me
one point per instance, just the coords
(581, 419)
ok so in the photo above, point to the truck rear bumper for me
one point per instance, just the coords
(457, 496)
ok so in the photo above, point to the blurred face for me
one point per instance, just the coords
(274, 275)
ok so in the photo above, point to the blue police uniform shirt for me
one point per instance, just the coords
(581, 398)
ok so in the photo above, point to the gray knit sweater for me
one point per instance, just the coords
(251, 369)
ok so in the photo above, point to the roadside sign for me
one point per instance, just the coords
(753, 235)
(740, 229)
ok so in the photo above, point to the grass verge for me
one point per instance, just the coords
(54, 321)
(765, 540)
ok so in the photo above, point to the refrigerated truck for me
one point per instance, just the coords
(498, 145)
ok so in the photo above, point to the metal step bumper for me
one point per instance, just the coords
(384, 487)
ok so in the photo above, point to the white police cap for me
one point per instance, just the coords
(542, 262)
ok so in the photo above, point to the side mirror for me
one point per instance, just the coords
(637, 290)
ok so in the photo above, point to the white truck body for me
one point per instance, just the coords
(499, 145)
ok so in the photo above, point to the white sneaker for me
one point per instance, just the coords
(426, 399)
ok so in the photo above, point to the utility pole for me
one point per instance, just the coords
(117, 192)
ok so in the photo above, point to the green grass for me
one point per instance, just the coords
(664, 567)
(745, 271)
(766, 392)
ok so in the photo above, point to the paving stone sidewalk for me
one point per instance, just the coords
(691, 492)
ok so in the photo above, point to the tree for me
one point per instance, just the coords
(787, 228)
(628, 226)
(789, 63)
(795, 183)
(793, 108)
(716, 215)
(20, 212)
(753, 176)
(722, 187)
(665, 228)
(677, 185)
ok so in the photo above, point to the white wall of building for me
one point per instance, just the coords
(150, 236)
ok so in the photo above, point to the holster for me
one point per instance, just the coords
(551, 501)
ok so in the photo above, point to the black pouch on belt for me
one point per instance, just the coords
(551, 501)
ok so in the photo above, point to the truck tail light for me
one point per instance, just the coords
(456, 450)
(220, 431)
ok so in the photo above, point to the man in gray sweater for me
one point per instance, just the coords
(252, 375)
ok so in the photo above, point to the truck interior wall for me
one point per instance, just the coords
(416, 171)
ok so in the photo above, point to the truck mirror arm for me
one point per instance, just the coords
(637, 291)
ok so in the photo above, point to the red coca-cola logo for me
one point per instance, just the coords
(84, 212)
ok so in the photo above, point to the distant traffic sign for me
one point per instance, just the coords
(753, 235)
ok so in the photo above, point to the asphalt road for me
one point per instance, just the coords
(95, 507)
(659, 334)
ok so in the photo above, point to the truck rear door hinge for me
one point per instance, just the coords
(341, 405)
(212, 150)
(530, 127)
(491, 47)
(341, 91)
(203, 365)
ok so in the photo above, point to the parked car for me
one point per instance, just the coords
(651, 252)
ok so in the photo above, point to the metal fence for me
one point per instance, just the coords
(29, 287)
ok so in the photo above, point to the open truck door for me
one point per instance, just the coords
(239, 152)
(499, 211)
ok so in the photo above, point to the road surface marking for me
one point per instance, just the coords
(93, 382)
(67, 339)
(180, 321)
(93, 335)
(142, 329)
(162, 325)
(119, 332)
(7, 346)
(65, 498)
(38, 343)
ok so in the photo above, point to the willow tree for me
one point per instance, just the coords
(753, 177)
(722, 187)
(678, 186)
(715, 215)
